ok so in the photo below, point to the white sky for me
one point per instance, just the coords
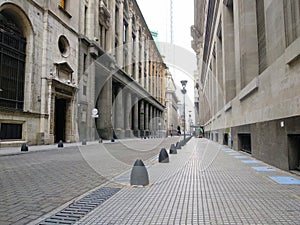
(157, 16)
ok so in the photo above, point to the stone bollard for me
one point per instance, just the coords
(163, 156)
(100, 140)
(60, 144)
(24, 147)
(173, 149)
(84, 142)
(139, 175)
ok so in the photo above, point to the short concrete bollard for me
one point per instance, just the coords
(24, 147)
(60, 144)
(139, 175)
(84, 142)
(163, 156)
(173, 149)
(100, 140)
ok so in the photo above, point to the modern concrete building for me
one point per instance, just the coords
(73, 70)
(249, 82)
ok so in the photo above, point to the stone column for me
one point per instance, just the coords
(147, 118)
(142, 58)
(129, 43)
(245, 40)
(110, 37)
(136, 52)
(128, 115)
(135, 116)
(154, 79)
(142, 118)
(105, 109)
(120, 33)
(147, 64)
(151, 119)
(119, 114)
(229, 80)
(154, 121)
(151, 74)
(219, 62)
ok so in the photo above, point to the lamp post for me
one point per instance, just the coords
(183, 91)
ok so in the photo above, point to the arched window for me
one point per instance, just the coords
(12, 63)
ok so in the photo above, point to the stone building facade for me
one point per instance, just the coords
(171, 117)
(248, 71)
(62, 60)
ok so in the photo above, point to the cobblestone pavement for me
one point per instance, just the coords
(35, 183)
(205, 183)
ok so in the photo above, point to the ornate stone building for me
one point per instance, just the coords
(171, 106)
(61, 60)
(248, 72)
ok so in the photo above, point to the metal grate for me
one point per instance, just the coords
(75, 211)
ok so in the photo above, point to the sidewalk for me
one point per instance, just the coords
(205, 183)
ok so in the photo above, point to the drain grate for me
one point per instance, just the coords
(75, 211)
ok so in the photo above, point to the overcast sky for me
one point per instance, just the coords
(157, 16)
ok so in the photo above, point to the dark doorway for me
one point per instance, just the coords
(60, 119)
(225, 139)
(245, 142)
(294, 152)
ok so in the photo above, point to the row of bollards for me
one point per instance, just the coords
(25, 148)
(139, 175)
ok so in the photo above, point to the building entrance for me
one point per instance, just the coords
(60, 119)
(294, 152)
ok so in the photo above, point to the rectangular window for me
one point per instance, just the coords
(261, 35)
(62, 4)
(84, 62)
(11, 131)
(85, 19)
(125, 27)
(291, 20)
(84, 90)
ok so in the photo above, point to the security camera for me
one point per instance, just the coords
(68, 82)
(96, 39)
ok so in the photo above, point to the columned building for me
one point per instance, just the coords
(74, 70)
(122, 71)
(248, 76)
(171, 117)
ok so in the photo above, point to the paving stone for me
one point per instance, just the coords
(203, 185)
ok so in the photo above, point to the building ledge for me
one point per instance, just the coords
(293, 52)
(249, 89)
(228, 106)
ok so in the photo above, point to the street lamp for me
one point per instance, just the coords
(183, 91)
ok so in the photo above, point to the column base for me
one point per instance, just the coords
(120, 133)
(136, 133)
(128, 133)
(106, 134)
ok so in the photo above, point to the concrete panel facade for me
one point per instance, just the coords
(267, 82)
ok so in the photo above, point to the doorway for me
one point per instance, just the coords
(294, 152)
(60, 119)
(245, 142)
